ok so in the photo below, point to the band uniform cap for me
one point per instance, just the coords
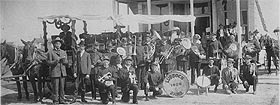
(128, 58)
(174, 29)
(82, 43)
(231, 60)
(106, 58)
(196, 36)
(276, 30)
(221, 25)
(248, 57)
(213, 35)
(65, 26)
(57, 39)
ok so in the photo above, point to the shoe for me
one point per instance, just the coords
(73, 101)
(234, 92)
(147, 99)
(55, 103)
(135, 102)
(62, 102)
(114, 103)
(19, 98)
(83, 100)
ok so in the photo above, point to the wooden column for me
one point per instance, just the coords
(127, 8)
(45, 35)
(238, 30)
(214, 16)
(140, 11)
(170, 12)
(192, 13)
(149, 7)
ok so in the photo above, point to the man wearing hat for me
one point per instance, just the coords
(215, 47)
(106, 78)
(57, 59)
(139, 61)
(68, 38)
(127, 81)
(213, 73)
(153, 80)
(230, 77)
(82, 72)
(249, 74)
(96, 58)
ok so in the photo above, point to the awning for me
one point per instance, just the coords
(153, 19)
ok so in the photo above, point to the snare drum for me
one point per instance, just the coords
(203, 81)
(176, 84)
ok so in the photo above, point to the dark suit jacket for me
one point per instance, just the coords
(123, 74)
(84, 63)
(58, 68)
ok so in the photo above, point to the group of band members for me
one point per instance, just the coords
(145, 70)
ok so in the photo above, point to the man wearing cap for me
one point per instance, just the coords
(230, 77)
(127, 81)
(82, 72)
(96, 58)
(153, 80)
(68, 38)
(139, 61)
(106, 78)
(249, 74)
(215, 47)
(162, 51)
(213, 73)
(57, 59)
(196, 54)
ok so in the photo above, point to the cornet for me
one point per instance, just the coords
(102, 79)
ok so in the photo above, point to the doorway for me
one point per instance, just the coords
(201, 23)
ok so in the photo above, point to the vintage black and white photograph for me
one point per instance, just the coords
(146, 52)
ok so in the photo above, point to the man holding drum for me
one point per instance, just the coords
(213, 73)
(248, 74)
(153, 79)
(230, 77)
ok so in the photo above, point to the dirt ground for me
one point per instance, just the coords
(267, 94)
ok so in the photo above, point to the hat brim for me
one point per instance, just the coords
(57, 41)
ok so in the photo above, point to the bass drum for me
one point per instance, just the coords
(203, 81)
(176, 84)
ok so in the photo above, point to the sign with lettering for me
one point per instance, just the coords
(176, 84)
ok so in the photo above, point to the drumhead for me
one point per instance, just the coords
(203, 81)
(186, 43)
(176, 84)
(121, 51)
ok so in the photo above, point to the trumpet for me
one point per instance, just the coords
(102, 79)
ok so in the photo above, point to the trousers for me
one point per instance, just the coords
(58, 88)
